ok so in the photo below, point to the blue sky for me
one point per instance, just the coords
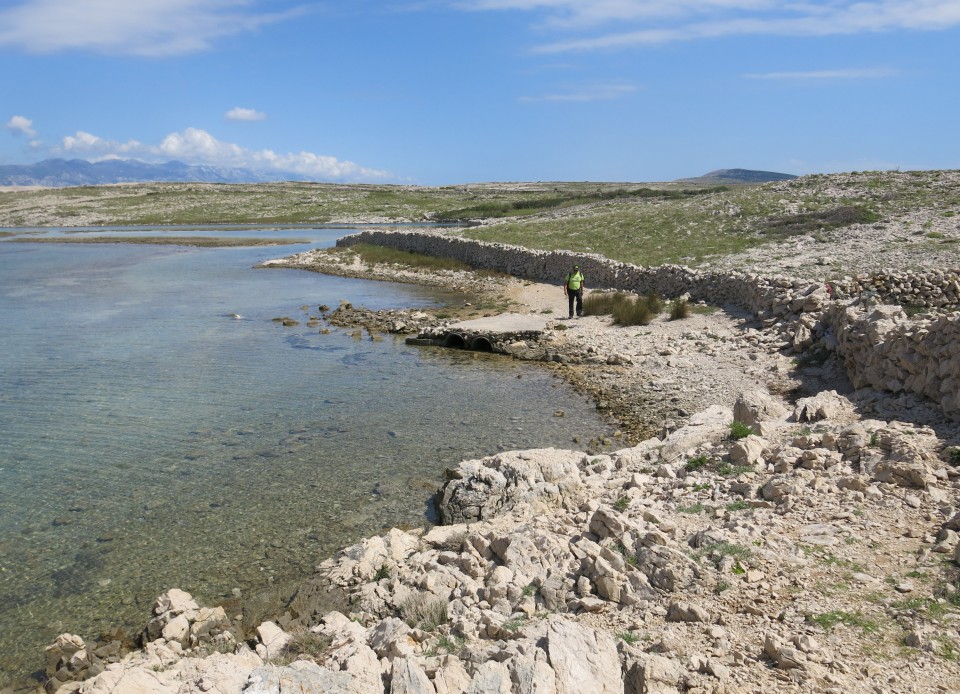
(437, 92)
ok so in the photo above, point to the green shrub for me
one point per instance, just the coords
(953, 456)
(696, 463)
(633, 313)
(739, 430)
(654, 302)
(302, 644)
(603, 303)
(679, 309)
(626, 309)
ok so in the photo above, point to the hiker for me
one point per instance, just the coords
(573, 288)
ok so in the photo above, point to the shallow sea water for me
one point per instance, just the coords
(149, 440)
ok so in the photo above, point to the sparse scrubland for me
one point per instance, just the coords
(781, 529)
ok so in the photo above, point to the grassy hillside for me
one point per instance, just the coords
(649, 224)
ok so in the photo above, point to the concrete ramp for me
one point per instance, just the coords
(490, 334)
(504, 323)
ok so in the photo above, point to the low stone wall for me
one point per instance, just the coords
(880, 347)
(935, 288)
(762, 296)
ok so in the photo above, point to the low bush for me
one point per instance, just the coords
(424, 611)
(739, 430)
(679, 309)
(626, 309)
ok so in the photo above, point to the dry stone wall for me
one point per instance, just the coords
(880, 347)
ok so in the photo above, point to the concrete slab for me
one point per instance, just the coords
(504, 323)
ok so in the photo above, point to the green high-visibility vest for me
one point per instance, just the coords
(574, 280)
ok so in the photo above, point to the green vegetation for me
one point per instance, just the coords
(621, 504)
(696, 463)
(628, 637)
(727, 470)
(424, 611)
(828, 620)
(533, 203)
(953, 456)
(739, 430)
(514, 623)
(645, 224)
(626, 309)
(375, 255)
(306, 644)
(679, 309)
(717, 551)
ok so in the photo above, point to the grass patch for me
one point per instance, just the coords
(621, 504)
(738, 506)
(626, 309)
(696, 463)
(693, 508)
(306, 644)
(679, 309)
(424, 611)
(828, 620)
(727, 470)
(533, 203)
(717, 551)
(514, 623)
(806, 222)
(381, 255)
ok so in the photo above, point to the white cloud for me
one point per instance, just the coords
(847, 74)
(600, 92)
(647, 22)
(245, 114)
(143, 27)
(198, 147)
(21, 126)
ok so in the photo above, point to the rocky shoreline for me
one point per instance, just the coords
(764, 527)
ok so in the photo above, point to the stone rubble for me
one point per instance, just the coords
(818, 553)
(820, 557)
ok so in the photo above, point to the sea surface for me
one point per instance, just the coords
(158, 429)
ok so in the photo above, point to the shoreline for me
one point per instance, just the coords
(755, 619)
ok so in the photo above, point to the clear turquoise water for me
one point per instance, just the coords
(149, 440)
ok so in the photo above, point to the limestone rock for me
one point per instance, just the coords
(584, 660)
(755, 406)
(534, 481)
(825, 405)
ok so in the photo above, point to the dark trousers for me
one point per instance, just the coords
(578, 297)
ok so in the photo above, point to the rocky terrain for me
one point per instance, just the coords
(764, 528)
(772, 516)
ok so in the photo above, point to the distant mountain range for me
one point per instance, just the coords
(739, 176)
(57, 173)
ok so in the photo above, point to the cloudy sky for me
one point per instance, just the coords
(440, 92)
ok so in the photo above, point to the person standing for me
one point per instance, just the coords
(573, 288)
